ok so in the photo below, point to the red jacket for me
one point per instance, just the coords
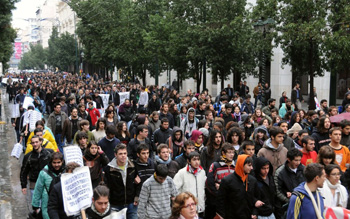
(94, 114)
(310, 157)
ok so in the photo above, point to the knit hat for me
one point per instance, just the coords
(204, 131)
(193, 99)
(295, 128)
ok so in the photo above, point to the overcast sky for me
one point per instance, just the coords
(24, 9)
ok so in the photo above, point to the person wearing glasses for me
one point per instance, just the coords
(184, 206)
(335, 194)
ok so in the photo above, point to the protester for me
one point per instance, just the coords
(109, 142)
(100, 206)
(306, 201)
(100, 131)
(156, 195)
(56, 123)
(309, 155)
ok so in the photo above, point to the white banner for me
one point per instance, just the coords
(123, 96)
(27, 102)
(337, 213)
(15, 111)
(17, 150)
(76, 190)
(73, 154)
(31, 117)
(105, 98)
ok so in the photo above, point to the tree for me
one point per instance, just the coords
(34, 59)
(7, 33)
(302, 25)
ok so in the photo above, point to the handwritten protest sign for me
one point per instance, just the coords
(73, 154)
(76, 190)
(17, 150)
(105, 99)
(123, 96)
(15, 111)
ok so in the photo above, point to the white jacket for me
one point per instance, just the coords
(328, 197)
(188, 182)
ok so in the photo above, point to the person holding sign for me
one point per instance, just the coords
(124, 184)
(100, 207)
(55, 206)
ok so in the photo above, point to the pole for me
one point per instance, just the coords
(157, 71)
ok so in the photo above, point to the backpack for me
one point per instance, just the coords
(285, 207)
(55, 179)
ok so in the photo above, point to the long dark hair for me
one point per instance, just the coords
(211, 142)
(120, 129)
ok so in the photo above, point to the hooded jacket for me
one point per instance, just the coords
(305, 206)
(267, 192)
(276, 156)
(236, 196)
(321, 139)
(194, 138)
(123, 189)
(176, 148)
(188, 127)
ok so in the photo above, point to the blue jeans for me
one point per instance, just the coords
(256, 100)
(60, 143)
(131, 212)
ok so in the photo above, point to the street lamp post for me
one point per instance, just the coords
(82, 61)
(263, 27)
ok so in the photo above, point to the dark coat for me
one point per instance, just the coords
(233, 201)
(55, 206)
(161, 135)
(132, 148)
(119, 193)
(108, 146)
(169, 116)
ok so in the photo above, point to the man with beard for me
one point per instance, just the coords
(70, 126)
(345, 137)
(33, 163)
(212, 151)
(175, 142)
(218, 170)
(164, 113)
(162, 133)
(309, 155)
(45, 182)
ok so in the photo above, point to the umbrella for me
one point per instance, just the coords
(338, 118)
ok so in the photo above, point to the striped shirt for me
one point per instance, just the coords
(155, 199)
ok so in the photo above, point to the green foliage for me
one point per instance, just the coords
(34, 59)
(61, 50)
(7, 33)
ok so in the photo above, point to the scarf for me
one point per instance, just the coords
(336, 186)
(224, 159)
(160, 161)
(240, 169)
(237, 116)
(318, 206)
(194, 171)
(98, 213)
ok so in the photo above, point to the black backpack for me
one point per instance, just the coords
(55, 179)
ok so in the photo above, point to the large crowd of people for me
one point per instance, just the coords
(165, 155)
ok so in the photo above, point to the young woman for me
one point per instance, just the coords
(326, 156)
(122, 133)
(257, 116)
(184, 206)
(100, 131)
(154, 122)
(110, 118)
(260, 138)
(100, 207)
(95, 159)
(335, 194)
(237, 114)
(182, 115)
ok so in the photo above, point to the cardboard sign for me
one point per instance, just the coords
(123, 96)
(28, 101)
(17, 150)
(76, 190)
(105, 98)
(73, 154)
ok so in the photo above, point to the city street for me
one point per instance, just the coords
(13, 204)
